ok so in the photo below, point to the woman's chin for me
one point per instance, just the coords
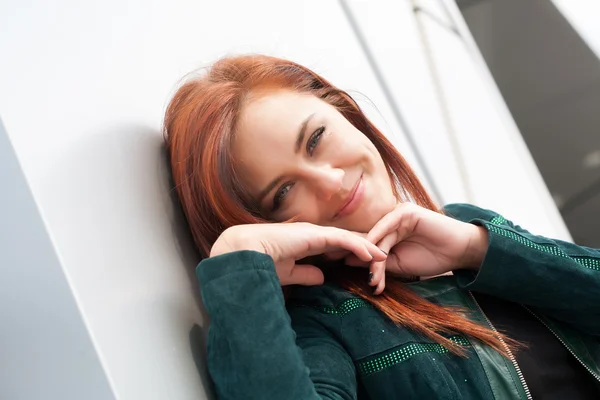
(367, 216)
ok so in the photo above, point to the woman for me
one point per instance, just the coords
(275, 165)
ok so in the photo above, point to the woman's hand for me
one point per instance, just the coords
(288, 242)
(421, 242)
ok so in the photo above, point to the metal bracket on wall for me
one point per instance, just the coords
(441, 95)
(390, 99)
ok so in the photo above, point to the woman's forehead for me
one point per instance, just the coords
(274, 119)
(282, 108)
(267, 133)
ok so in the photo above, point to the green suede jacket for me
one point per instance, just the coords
(328, 344)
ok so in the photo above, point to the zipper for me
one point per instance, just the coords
(510, 354)
(564, 344)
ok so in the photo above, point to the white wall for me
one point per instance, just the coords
(583, 15)
(45, 349)
(82, 90)
(499, 170)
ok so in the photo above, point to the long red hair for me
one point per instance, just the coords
(198, 127)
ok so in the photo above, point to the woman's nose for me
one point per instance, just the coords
(328, 181)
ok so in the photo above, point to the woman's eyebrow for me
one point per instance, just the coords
(302, 133)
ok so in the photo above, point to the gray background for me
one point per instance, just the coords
(550, 80)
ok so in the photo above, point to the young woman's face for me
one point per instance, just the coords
(299, 157)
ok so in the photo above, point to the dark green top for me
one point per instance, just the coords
(328, 344)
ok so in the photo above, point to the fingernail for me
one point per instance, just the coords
(370, 277)
(374, 289)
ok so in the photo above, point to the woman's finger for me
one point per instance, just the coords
(349, 258)
(306, 275)
(337, 255)
(333, 240)
(401, 220)
(378, 268)
(354, 261)
(359, 234)
(359, 246)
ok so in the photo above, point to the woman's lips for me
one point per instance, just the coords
(354, 200)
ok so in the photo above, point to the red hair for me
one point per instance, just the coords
(199, 124)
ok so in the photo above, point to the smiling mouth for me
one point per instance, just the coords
(353, 200)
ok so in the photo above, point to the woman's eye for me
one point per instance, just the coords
(280, 196)
(314, 139)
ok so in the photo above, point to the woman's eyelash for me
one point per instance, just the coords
(314, 139)
(280, 196)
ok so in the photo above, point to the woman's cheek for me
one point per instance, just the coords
(308, 212)
(309, 215)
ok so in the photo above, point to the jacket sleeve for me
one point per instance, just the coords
(253, 352)
(552, 277)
